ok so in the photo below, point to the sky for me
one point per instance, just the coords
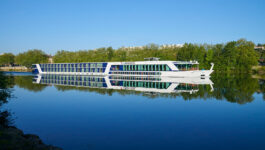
(52, 25)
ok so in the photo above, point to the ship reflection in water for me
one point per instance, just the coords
(148, 85)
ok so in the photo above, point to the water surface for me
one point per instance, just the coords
(232, 116)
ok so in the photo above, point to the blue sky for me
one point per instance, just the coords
(53, 25)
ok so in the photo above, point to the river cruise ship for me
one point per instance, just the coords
(151, 67)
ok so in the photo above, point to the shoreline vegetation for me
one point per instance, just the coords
(10, 136)
(236, 56)
(15, 69)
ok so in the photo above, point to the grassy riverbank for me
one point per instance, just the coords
(15, 69)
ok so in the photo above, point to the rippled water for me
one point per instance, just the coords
(73, 112)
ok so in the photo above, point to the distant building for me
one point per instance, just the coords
(133, 47)
(258, 48)
(171, 46)
(50, 59)
(160, 47)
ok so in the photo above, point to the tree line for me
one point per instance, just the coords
(25, 59)
(237, 55)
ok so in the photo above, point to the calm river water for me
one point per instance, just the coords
(100, 113)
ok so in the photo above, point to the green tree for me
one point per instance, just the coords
(230, 55)
(7, 59)
(31, 57)
(209, 56)
(247, 56)
(192, 52)
(110, 53)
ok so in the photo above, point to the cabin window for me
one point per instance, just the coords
(98, 65)
(167, 68)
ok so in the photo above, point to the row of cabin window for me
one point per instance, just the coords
(92, 84)
(77, 78)
(70, 68)
(88, 65)
(68, 81)
(137, 73)
(159, 85)
(134, 78)
(146, 68)
(73, 70)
